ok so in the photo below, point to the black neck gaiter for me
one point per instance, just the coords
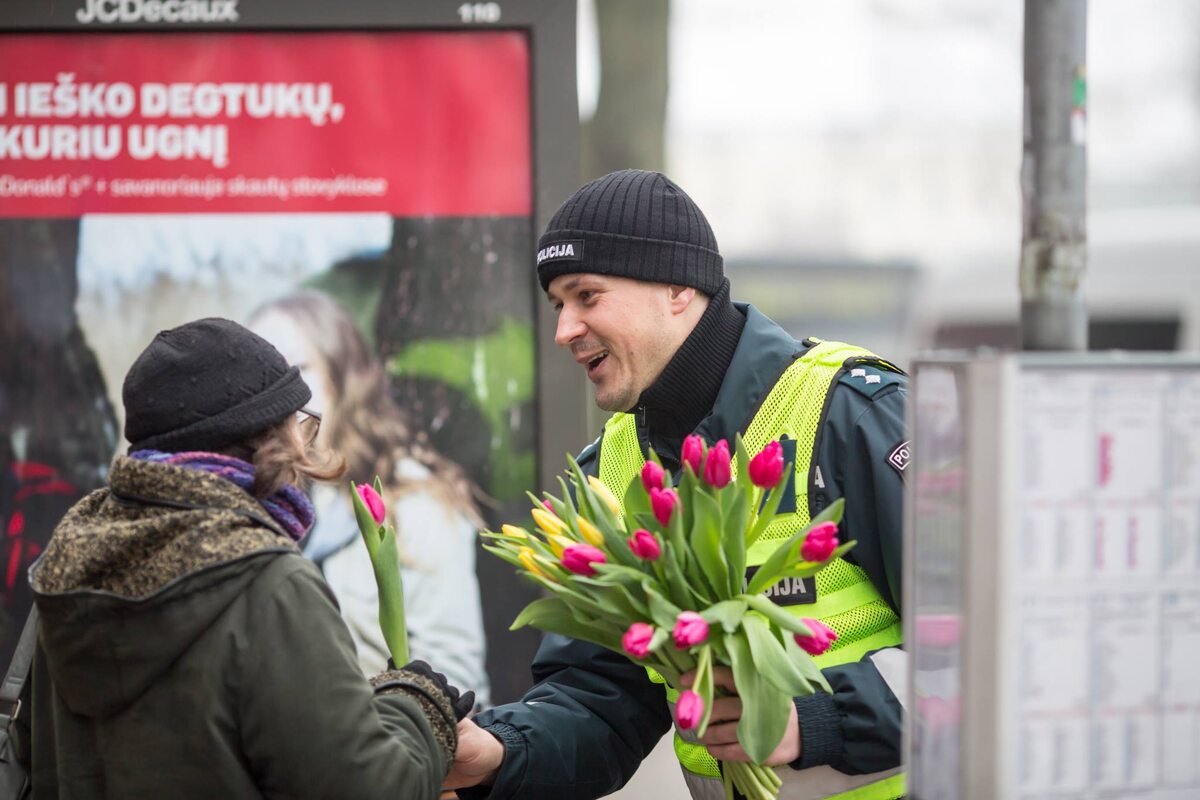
(686, 390)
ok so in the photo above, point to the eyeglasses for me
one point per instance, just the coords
(309, 422)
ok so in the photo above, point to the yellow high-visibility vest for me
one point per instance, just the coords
(847, 601)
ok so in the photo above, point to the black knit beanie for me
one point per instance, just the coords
(635, 224)
(206, 385)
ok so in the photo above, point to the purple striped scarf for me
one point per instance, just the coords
(290, 507)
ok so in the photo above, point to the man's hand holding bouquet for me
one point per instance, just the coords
(661, 576)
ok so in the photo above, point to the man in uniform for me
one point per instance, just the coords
(633, 270)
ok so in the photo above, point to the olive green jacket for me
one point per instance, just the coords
(187, 650)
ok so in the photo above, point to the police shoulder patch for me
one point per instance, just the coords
(900, 456)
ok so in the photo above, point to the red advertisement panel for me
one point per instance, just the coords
(264, 122)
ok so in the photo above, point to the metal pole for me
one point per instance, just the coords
(1054, 176)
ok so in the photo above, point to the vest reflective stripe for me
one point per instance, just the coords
(817, 783)
(846, 599)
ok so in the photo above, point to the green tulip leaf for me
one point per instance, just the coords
(728, 614)
(787, 554)
(765, 708)
(780, 616)
(706, 543)
(386, 563)
(504, 553)
(628, 606)
(741, 465)
(733, 538)
(569, 500)
(636, 500)
(553, 615)
(689, 488)
(682, 593)
(772, 659)
(804, 662)
(662, 610)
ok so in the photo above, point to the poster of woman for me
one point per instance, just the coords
(373, 190)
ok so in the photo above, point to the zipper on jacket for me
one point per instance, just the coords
(643, 430)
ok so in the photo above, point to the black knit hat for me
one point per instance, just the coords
(206, 385)
(635, 224)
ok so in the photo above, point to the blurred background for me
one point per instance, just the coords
(859, 162)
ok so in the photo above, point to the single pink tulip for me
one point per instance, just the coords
(821, 640)
(636, 640)
(373, 502)
(663, 502)
(690, 629)
(820, 542)
(644, 545)
(549, 507)
(579, 558)
(652, 476)
(689, 710)
(692, 453)
(766, 468)
(717, 473)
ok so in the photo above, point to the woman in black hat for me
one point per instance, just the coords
(187, 649)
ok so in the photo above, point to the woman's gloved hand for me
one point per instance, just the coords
(462, 702)
(433, 693)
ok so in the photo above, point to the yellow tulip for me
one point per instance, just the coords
(590, 533)
(558, 543)
(513, 532)
(605, 494)
(548, 522)
(527, 558)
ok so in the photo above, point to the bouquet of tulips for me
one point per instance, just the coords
(660, 576)
(380, 538)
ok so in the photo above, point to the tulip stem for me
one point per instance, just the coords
(754, 781)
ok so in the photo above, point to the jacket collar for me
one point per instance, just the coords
(763, 352)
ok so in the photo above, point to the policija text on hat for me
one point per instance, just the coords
(632, 268)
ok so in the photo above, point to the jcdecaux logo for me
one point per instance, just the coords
(107, 12)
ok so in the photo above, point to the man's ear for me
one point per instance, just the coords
(680, 298)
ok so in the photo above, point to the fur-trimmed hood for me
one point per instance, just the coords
(137, 571)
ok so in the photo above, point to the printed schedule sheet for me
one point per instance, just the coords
(1108, 584)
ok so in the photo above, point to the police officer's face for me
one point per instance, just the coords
(621, 331)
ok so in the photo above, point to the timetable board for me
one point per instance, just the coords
(1053, 577)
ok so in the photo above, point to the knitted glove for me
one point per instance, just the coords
(432, 697)
(462, 702)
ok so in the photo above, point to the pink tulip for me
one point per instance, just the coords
(652, 476)
(717, 472)
(692, 453)
(373, 502)
(766, 468)
(690, 629)
(689, 710)
(644, 545)
(663, 502)
(820, 542)
(821, 640)
(549, 507)
(579, 558)
(636, 640)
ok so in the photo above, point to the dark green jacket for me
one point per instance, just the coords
(593, 715)
(188, 650)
